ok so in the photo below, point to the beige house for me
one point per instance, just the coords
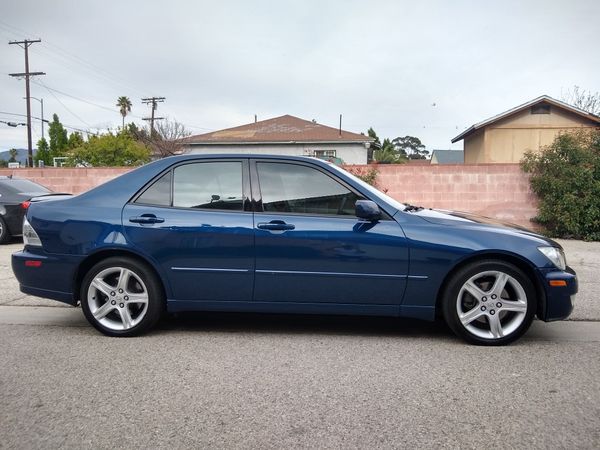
(285, 135)
(506, 137)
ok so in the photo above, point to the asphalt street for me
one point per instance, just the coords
(271, 381)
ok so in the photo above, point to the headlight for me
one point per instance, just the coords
(30, 237)
(555, 255)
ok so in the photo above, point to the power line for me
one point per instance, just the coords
(93, 69)
(51, 50)
(74, 97)
(65, 106)
(25, 44)
(71, 127)
(22, 115)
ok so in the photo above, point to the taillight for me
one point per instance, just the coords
(25, 204)
(30, 237)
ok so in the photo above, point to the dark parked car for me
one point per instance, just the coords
(286, 235)
(15, 194)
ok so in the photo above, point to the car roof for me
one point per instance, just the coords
(242, 156)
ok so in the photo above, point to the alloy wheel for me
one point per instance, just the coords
(118, 298)
(491, 304)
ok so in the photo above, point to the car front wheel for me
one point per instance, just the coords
(121, 297)
(489, 303)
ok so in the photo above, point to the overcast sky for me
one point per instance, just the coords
(423, 68)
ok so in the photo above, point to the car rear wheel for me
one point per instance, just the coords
(489, 303)
(122, 297)
(4, 233)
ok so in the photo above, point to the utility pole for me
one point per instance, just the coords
(153, 101)
(27, 74)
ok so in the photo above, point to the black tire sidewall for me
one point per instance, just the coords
(460, 278)
(4, 233)
(156, 302)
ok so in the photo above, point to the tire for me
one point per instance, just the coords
(122, 297)
(4, 233)
(489, 302)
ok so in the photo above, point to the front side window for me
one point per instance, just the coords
(206, 185)
(290, 188)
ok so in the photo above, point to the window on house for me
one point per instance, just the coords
(542, 108)
(324, 153)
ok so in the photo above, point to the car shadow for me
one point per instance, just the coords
(301, 324)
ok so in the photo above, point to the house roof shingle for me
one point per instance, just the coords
(279, 129)
(448, 156)
(543, 98)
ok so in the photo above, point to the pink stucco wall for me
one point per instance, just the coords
(71, 180)
(501, 191)
(495, 190)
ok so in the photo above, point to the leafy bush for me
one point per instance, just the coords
(566, 177)
(367, 175)
(110, 150)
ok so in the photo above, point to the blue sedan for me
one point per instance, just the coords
(283, 235)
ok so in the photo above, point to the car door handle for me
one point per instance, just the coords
(275, 225)
(146, 218)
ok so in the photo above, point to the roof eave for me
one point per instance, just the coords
(464, 134)
(277, 142)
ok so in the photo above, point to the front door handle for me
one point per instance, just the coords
(146, 218)
(278, 225)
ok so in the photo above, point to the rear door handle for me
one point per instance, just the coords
(278, 225)
(146, 218)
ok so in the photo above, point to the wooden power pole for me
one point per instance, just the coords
(27, 74)
(153, 101)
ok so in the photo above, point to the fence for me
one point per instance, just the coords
(501, 191)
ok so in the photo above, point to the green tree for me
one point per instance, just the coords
(124, 105)
(375, 145)
(110, 150)
(58, 137)
(43, 153)
(13, 155)
(566, 177)
(388, 154)
(3, 163)
(411, 147)
(75, 140)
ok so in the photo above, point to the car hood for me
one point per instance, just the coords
(444, 217)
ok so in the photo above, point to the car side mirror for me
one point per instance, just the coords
(367, 209)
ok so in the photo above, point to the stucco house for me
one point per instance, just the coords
(285, 135)
(506, 137)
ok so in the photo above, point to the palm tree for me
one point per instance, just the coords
(388, 154)
(124, 105)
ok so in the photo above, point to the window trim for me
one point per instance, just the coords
(257, 193)
(246, 191)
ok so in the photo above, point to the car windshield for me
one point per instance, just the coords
(395, 203)
(24, 187)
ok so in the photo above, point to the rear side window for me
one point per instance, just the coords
(159, 193)
(206, 185)
(291, 188)
(210, 185)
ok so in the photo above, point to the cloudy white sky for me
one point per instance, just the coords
(424, 68)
